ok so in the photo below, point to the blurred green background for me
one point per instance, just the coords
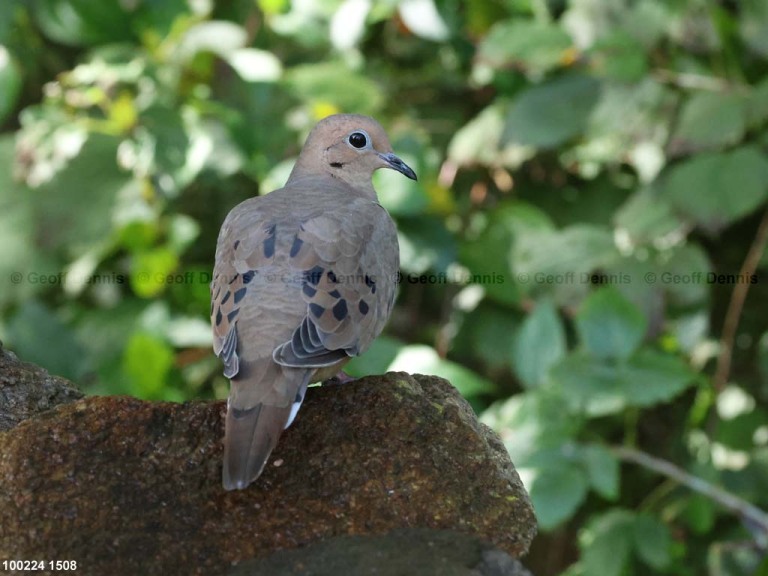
(583, 254)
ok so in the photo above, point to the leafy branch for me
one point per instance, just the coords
(754, 518)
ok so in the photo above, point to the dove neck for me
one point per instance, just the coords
(328, 180)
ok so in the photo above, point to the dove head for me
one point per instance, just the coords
(349, 147)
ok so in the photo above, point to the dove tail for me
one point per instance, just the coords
(251, 433)
(247, 445)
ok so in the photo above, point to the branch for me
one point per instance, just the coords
(693, 81)
(755, 518)
(736, 305)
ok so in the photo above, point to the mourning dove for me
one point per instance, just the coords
(304, 279)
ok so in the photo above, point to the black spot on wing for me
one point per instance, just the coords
(248, 276)
(332, 277)
(232, 315)
(237, 243)
(363, 307)
(309, 291)
(296, 246)
(316, 310)
(334, 294)
(226, 298)
(340, 310)
(218, 317)
(269, 243)
(314, 275)
(239, 294)
(371, 283)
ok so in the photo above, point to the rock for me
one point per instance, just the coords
(404, 551)
(26, 390)
(124, 486)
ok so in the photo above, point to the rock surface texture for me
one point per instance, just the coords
(124, 486)
(26, 390)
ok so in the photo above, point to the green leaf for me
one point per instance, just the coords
(422, 359)
(629, 123)
(651, 377)
(606, 543)
(646, 217)
(533, 422)
(589, 385)
(739, 432)
(599, 388)
(683, 276)
(559, 263)
(549, 114)
(479, 140)
(333, 83)
(74, 217)
(138, 235)
(166, 141)
(556, 493)
(273, 7)
(647, 22)
(489, 252)
(753, 26)
(103, 333)
(254, 65)
(487, 333)
(695, 129)
(189, 332)
(376, 359)
(401, 196)
(423, 19)
(714, 189)
(57, 350)
(539, 345)
(757, 105)
(534, 46)
(158, 18)
(82, 22)
(17, 230)
(619, 56)
(652, 540)
(218, 36)
(147, 361)
(603, 470)
(10, 83)
(609, 326)
(577, 249)
(425, 244)
(10, 12)
(150, 271)
(700, 514)
(182, 232)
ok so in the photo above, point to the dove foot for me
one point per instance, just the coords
(338, 379)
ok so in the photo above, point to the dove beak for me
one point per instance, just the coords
(396, 163)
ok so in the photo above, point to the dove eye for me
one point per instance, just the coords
(358, 140)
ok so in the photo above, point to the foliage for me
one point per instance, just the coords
(583, 239)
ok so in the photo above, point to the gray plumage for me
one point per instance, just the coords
(304, 279)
